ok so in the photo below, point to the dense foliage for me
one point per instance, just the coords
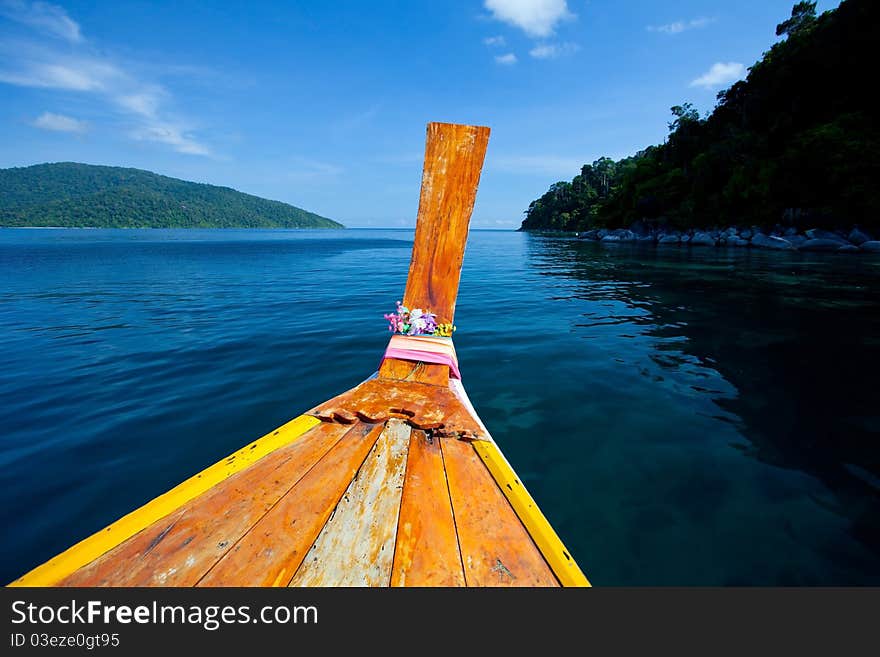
(797, 141)
(80, 195)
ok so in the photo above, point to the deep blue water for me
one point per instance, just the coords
(682, 416)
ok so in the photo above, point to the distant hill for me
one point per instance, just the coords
(82, 195)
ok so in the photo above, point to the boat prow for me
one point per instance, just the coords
(396, 482)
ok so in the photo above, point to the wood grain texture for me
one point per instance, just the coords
(545, 537)
(423, 406)
(179, 549)
(356, 546)
(270, 553)
(496, 550)
(453, 161)
(406, 370)
(454, 157)
(555, 553)
(427, 546)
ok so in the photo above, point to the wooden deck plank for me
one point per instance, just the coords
(427, 551)
(270, 553)
(545, 537)
(356, 546)
(496, 549)
(179, 549)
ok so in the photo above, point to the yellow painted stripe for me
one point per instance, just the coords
(560, 561)
(89, 549)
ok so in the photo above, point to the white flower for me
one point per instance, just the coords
(417, 320)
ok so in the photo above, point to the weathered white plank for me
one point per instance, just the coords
(356, 546)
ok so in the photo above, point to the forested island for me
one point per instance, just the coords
(69, 194)
(794, 146)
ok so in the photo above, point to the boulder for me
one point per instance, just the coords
(702, 239)
(685, 239)
(797, 240)
(819, 234)
(820, 244)
(602, 232)
(871, 246)
(639, 228)
(763, 241)
(858, 236)
(790, 231)
(848, 248)
(669, 239)
(589, 235)
(737, 241)
(730, 232)
(619, 235)
(746, 233)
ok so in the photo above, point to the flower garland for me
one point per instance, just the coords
(417, 322)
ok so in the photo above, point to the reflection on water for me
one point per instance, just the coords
(750, 411)
(681, 416)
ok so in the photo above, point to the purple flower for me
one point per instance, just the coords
(411, 322)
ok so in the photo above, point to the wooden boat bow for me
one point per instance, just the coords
(415, 391)
(395, 482)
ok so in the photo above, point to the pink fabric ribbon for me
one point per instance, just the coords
(424, 349)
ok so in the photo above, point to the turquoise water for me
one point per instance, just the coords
(682, 416)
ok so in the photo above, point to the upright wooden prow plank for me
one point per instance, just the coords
(453, 161)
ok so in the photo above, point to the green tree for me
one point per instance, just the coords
(803, 15)
(799, 137)
(71, 194)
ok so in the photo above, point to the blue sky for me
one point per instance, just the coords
(324, 104)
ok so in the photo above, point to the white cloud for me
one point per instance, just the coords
(495, 41)
(719, 75)
(552, 50)
(52, 71)
(551, 165)
(678, 27)
(59, 123)
(144, 102)
(40, 64)
(508, 59)
(173, 135)
(537, 18)
(42, 16)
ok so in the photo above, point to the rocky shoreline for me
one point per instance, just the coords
(855, 240)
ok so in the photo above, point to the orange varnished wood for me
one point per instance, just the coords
(423, 406)
(405, 370)
(270, 553)
(496, 550)
(356, 546)
(453, 161)
(179, 549)
(427, 546)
